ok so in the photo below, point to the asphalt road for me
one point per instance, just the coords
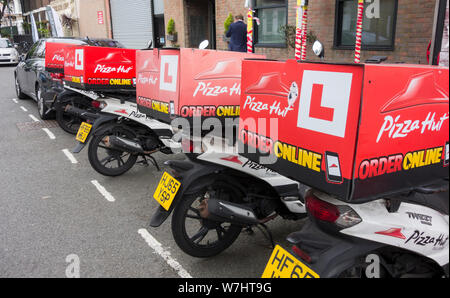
(53, 217)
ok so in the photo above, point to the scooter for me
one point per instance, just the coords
(404, 235)
(118, 134)
(216, 193)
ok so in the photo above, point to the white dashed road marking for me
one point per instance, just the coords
(23, 109)
(15, 100)
(33, 118)
(103, 191)
(157, 247)
(49, 133)
(70, 156)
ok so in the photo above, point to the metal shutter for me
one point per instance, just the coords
(132, 22)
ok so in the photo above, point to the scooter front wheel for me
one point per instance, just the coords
(197, 236)
(108, 161)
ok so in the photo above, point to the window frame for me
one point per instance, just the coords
(338, 25)
(258, 44)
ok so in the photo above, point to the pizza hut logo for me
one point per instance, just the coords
(58, 58)
(107, 69)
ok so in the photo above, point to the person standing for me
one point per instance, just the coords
(238, 35)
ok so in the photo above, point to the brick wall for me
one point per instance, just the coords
(413, 29)
(175, 9)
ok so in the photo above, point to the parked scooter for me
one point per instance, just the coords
(405, 235)
(214, 194)
(400, 235)
(119, 134)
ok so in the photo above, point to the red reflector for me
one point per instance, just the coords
(322, 210)
(57, 76)
(303, 255)
(95, 104)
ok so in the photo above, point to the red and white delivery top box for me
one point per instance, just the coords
(95, 68)
(54, 56)
(189, 83)
(354, 131)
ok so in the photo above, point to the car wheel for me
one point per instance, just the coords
(42, 108)
(19, 92)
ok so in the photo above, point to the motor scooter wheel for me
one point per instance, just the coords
(68, 122)
(108, 161)
(200, 237)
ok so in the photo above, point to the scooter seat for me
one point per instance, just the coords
(437, 201)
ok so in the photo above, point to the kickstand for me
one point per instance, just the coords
(153, 160)
(266, 232)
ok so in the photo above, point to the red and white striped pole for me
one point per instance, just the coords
(250, 30)
(304, 30)
(359, 24)
(298, 31)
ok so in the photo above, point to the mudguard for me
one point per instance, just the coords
(102, 119)
(190, 172)
(330, 255)
(65, 95)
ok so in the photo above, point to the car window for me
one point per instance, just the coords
(40, 51)
(5, 43)
(68, 41)
(105, 43)
(32, 50)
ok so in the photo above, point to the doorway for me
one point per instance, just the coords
(199, 26)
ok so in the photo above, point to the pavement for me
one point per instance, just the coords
(53, 217)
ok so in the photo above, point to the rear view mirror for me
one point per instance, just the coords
(318, 49)
(203, 45)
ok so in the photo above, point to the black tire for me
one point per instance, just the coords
(187, 243)
(42, 108)
(19, 93)
(100, 162)
(68, 122)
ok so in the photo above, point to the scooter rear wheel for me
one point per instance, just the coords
(200, 237)
(107, 161)
(68, 122)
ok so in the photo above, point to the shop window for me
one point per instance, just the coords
(378, 24)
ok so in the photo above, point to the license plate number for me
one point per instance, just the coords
(83, 132)
(284, 265)
(166, 190)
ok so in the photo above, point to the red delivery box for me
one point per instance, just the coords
(355, 131)
(54, 56)
(189, 82)
(100, 68)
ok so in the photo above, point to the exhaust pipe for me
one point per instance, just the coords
(224, 211)
(123, 144)
(80, 113)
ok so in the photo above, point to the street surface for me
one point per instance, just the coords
(54, 209)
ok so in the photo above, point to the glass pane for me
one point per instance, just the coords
(271, 21)
(378, 23)
(260, 3)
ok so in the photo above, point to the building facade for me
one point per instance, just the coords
(79, 17)
(398, 29)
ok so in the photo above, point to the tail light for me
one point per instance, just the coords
(57, 76)
(98, 104)
(302, 254)
(343, 216)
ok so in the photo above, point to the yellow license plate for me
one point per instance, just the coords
(284, 265)
(166, 190)
(83, 132)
